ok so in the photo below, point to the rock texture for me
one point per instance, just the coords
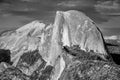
(52, 52)
(83, 32)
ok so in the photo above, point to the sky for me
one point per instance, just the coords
(16, 13)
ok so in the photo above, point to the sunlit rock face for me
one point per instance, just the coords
(82, 31)
(52, 52)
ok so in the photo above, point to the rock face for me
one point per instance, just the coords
(83, 32)
(27, 38)
(37, 49)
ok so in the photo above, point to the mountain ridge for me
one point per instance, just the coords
(70, 28)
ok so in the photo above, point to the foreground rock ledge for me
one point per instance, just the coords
(40, 51)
